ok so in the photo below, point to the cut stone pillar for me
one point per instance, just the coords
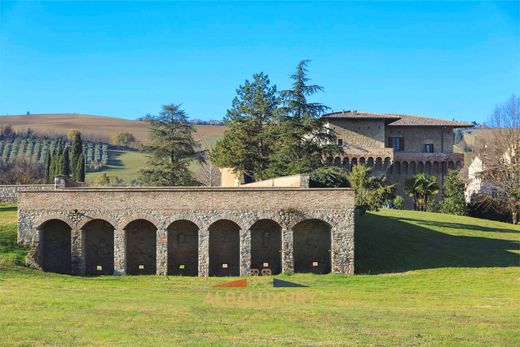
(77, 253)
(287, 250)
(162, 252)
(245, 252)
(119, 252)
(342, 252)
(204, 251)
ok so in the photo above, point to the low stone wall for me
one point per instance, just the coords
(204, 207)
(9, 193)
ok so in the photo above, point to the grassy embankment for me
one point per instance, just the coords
(424, 279)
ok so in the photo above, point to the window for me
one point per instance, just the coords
(340, 142)
(428, 148)
(397, 143)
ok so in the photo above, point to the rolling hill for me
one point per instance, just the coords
(99, 127)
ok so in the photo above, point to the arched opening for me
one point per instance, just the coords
(379, 164)
(420, 167)
(337, 161)
(56, 247)
(370, 162)
(387, 162)
(183, 248)
(428, 168)
(451, 165)
(405, 167)
(98, 245)
(141, 242)
(353, 162)
(346, 163)
(397, 170)
(312, 244)
(224, 248)
(362, 161)
(436, 169)
(413, 169)
(266, 246)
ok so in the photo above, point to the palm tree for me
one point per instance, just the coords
(421, 188)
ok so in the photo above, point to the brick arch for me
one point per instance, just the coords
(397, 169)
(190, 218)
(312, 240)
(183, 248)
(98, 247)
(266, 245)
(353, 161)
(92, 217)
(346, 162)
(435, 168)
(56, 246)
(123, 223)
(39, 223)
(420, 167)
(224, 248)
(230, 217)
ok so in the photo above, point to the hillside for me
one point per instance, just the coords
(96, 126)
(423, 279)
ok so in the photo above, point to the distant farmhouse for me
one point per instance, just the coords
(398, 146)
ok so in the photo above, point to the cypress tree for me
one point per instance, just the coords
(65, 165)
(48, 167)
(80, 168)
(76, 151)
(58, 164)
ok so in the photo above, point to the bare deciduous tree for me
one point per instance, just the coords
(209, 174)
(501, 160)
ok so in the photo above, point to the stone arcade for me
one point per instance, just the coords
(188, 231)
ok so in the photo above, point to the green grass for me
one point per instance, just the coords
(123, 164)
(424, 279)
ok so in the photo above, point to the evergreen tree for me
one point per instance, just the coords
(76, 151)
(171, 149)
(247, 143)
(80, 168)
(302, 140)
(453, 201)
(65, 165)
(58, 160)
(48, 172)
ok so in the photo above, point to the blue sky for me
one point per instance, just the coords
(453, 60)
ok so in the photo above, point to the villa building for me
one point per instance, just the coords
(397, 146)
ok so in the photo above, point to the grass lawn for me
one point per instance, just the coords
(423, 279)
(123, 164)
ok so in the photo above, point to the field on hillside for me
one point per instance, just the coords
(424, 279)
(123, 164)
(96, 126)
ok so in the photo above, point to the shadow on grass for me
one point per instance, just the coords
(114, 161)
(460, 226)
(7, 208)
(387, 244)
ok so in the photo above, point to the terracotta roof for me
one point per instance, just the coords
(397, 119)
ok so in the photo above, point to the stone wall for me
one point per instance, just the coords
(416, 136)
(359, 135)
(8, 192)
(201, 206)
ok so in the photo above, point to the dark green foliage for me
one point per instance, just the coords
(398, 202)
(371, 191)
(48, 173)
(171, 149)
(272, 135)
(76, 150)
(328, 176)
(65, 164)
(453, 201)
(248, 141)
(421, 188)
(58, 161)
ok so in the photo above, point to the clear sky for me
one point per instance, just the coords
(453, 60)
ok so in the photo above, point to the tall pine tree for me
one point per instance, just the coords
(247, 143)
(171, 149)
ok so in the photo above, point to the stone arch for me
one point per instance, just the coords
(451, 165)
(379, 164)
(98, 247)
(224, 248)
(40, 222)
(428, 168)
(312, 246)
(420, 167)
(141, 247)
(353, 162)
(362, 161)
(126, 220)
(413, 168)
(397, 170)
(405, 167)
(346, 163)
(435, 168)
(459, 164)
(55, 243)
(183, 248)
(387, 162)
(370, 162)
(266, 246)
(337, 161)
